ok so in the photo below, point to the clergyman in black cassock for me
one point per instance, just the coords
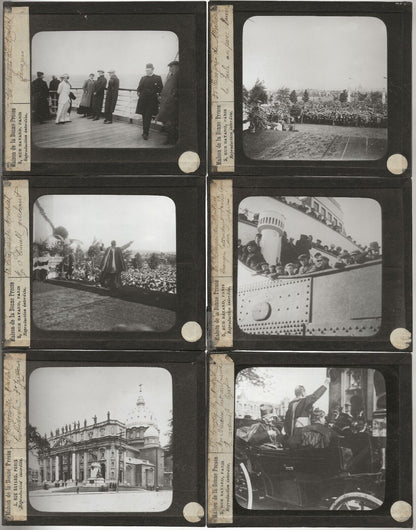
(149, 89)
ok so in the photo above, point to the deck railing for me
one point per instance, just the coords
(125, 108)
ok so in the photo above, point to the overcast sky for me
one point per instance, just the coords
(59, 396)
(362, 216)
(147, 220)
(362, 219)
(328, 53)
(281, 383)
(83, 52)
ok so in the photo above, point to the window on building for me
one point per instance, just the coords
(330, 216)
(315, 206)
(323, 212)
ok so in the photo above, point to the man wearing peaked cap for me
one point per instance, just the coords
(149, 89)
(112, 96)
(168, 113)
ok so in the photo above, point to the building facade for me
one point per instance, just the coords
(111, 451)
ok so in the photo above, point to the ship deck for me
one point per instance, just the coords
(84, 133)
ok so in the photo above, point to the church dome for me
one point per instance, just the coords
(151, 432)
(141, 415)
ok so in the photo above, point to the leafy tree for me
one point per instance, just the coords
(258, 94)
(293, 96)
(171, 259)
(258, 118)
(375, 97)
(94, 252)
(79, 255)
(169, 444)
(343, 97)
(61, 232)
(252, 375)
(137, 261)
(305, 96)
(37, 443)
(245, 95)
(283, 93)
(153, 261)
(296, 110)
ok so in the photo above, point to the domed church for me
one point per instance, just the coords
(129, 453)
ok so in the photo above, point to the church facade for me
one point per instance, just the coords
(126, 454)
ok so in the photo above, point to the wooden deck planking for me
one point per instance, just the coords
(82, 132)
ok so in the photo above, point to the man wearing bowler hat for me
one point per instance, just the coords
(98, 95)
(168, 112)
(149, 89)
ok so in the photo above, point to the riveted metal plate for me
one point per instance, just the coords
(289, 301)
(348, 328)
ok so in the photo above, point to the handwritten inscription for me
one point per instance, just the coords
(14, 414)
(16, 263)
(220, 439)
(17, 88)
(222, 263)
(222, 88)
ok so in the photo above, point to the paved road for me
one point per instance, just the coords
(63, 308)
(123, 501)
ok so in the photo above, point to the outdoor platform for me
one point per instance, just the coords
(84, 133)
(65, 308)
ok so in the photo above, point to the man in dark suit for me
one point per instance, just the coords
(53, 87)
(40, 94)
(98, 95)
(299, 410)
(149, 89)
(113, 265)
(168, 112)
(112, 95)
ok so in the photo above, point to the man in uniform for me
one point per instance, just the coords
(40, 94)
(149, 89)
(113, 265)
(98, 95)
(168, 112)
(112, 95)
(299, 410)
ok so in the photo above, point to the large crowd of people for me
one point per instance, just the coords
(162, 279)
(110, 270)
(346, 114)
(300, 257)
(282, 114)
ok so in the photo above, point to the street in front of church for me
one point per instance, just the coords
(124, 501)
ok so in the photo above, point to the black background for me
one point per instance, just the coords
(396, 369)
(188, 371)
(188, 193)
(188, 21)
(394, 197)
(397, 17)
